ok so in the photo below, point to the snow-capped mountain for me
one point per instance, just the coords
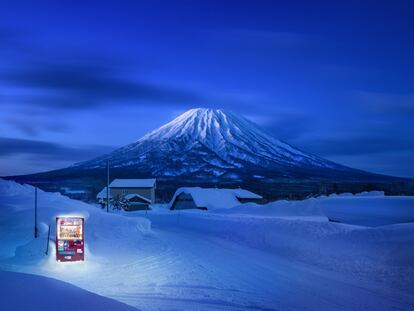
(215, 148)
(213, 143)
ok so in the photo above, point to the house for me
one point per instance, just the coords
(136, 202)
(208, 198)
(144, 188)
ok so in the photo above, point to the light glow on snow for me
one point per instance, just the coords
(283, 255)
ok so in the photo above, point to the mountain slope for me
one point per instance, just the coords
(211, 143)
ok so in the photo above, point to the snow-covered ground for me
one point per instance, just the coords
(366, 209)
(281, 256)
(22, 292)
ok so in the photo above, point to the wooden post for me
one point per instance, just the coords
(48, 238)
(107, 188)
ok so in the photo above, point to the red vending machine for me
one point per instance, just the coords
(70, 239)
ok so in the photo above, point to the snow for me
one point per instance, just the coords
(135, 195)
(245, 194)
(309, 208)
(22, 292)
(17, 212)
(132, 183)
(280, 256)
(369, 210)
(366, 209)
(72, 191)
(103, 194)
(211, 198)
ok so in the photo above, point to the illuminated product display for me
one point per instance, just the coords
(70, 239)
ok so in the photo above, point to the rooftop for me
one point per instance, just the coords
(102, 194)
(215, 197)
(133, 183)
(135, 195)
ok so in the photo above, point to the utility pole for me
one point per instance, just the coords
(35, 226)
(107, 188)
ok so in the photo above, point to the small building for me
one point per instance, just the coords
(208, 198)
(136, 202)
(144, 188)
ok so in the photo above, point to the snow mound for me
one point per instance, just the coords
(286, 208)
(366, 209)
(21, 292)
(369, 210)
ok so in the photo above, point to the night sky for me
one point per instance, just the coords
(80, 78)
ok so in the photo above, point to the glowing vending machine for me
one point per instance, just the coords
(70, 239)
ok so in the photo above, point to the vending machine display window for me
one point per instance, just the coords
(70, 239)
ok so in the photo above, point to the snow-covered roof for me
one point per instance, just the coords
(214, 197)
(246, 194)
(133, 195)
(102, 194)
(132, 183)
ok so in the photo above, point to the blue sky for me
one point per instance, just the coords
(80, 78)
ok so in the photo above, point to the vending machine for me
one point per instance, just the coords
(70, 239)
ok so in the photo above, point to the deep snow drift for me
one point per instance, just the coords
(366, 208)
(23, 292)
(248, 257)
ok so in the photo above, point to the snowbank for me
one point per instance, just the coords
(23, 292)
(366, 209)
(369, 210)
(282, 208)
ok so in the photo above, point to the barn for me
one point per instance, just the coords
(210, 198)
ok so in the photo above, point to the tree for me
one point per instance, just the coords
(116, 202)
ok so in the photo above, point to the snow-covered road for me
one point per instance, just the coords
(212, 273)
(217, 261)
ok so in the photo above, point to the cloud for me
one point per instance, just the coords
(68, 79)
(284, 124)
(33, 128)
(49, 151)
(278, 39)
(289, 127)
(354, 145)
(81, 86)
(75, 79)
(391, 163)
(381, 153)
(401, 105)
